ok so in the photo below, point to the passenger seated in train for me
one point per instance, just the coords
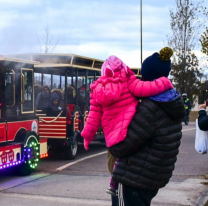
(37, 90)
(53, 106)
(71, 95)
(43, 98)
(60, 93)
(82, 101)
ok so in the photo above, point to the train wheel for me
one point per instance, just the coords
(71, 150)
(31, 154)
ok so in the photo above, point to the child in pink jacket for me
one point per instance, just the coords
(114, 97)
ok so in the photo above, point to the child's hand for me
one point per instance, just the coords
(86, 143)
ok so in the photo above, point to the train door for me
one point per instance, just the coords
(19, 104)
(7, 101)
(27, 94)
(9, 91)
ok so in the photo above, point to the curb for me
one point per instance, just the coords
(202, 199)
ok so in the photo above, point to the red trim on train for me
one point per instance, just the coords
(3, 132)
(43, 140)
(14, 127)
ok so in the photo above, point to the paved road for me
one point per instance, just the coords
(83, 182)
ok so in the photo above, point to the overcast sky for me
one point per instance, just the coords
(92, 28)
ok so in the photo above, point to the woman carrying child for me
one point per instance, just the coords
(114, 98)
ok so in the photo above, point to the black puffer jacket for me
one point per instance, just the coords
(149, 152)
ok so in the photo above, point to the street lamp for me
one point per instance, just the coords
(141, 29)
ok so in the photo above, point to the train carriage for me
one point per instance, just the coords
(64, 72)
(20, 144)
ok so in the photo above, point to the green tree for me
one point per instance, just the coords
(186, 23)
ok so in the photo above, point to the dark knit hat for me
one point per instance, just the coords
(157, 65)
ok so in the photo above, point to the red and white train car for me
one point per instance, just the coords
(20, 144)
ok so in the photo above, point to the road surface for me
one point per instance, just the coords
(82, 182)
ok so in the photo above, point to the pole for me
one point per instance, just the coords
(141, 29)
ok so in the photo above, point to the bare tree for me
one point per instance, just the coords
(186, 23)
(47, 42)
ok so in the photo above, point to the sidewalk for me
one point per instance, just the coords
(190, 192)
(80, 191)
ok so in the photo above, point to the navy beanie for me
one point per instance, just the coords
(157, 65)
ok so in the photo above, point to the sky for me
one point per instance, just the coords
(91, 28)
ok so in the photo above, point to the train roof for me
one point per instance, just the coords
(62, 60)
(44, 60)
(13, 59)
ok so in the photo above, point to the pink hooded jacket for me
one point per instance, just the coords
(114, 99)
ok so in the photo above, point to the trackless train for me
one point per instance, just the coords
(26, 129)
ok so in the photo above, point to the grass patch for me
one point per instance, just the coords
(206, 204)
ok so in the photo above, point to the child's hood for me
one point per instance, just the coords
(171, 102)
(107, 90)
(54, 96)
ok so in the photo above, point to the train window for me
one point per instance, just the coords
(81, 89)
(37, 78)
(62, 82)
(98, 64)
(71, 81)
(91, 78)
(27, 90)
(56, 82)
(71, 87)
(10, 88)
(98, 74)
(47, 80)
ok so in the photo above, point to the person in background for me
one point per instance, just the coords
(43, 98)
(113, 102)
(71, 95)
(82, 102)
(53, 108)
(148, 154)
(203, 117)
(37, 90)
(187, 104)
(59, 92)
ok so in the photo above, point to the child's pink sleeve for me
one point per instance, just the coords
(93, 121)
(141, 88)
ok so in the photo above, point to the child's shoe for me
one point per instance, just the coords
(112, 191)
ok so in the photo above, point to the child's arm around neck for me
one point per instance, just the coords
(141, 88)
